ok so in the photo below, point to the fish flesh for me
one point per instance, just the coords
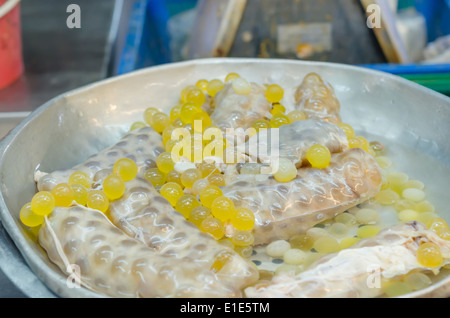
(144, 214)
(232, 110)
(83, 242)
(284, 209)
(357, 271)
(316, 98)
(293, 141)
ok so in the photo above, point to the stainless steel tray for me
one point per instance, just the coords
(70, 127)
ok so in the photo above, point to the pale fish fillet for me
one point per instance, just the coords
(356, 271)
(113, 264)
(285, 209)
(294, 140)
(141, 145)
(144, 214)
(317, 99)
(232, 110)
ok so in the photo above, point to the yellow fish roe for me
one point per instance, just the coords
(187, 112)
(296, 115)
(367, 231)
(160, 121)
(274, 93)
(387, 197)
(349, 131)
(216, 179)
(186, 203)
(164, 162)
(279, 120)
(429, 255)
(202, 84)
(231, 77)
(201, 121)
(441, 228)
(184, 92)
(243, 219)
(80, 193)
(207, 169)
(148, 114)
(408, 215)
(114, 187)
(80, 177)
(167, 134)
(364, 144)
(213, 226)
(426, 218)
(198, 214)
(223, 208)
(42, 203)
(97, 200)
(137, 125)
(294, 256)
(286, 170)
(326, 244)
(195, 96)
(241, 86)
(175, 113)
(417, 280)
(189, 176)
(277, 108)
(338, 230)
(214, 86)
(347, 242)
(396, 288)
(261, 124)
(126, 169)
(174, 176)
(318, 156)
(209, 194)
(171, 191)
(302, 241)
(28, 217)
(354, 143)
(242, 238)
(63, 194)
(199, 185)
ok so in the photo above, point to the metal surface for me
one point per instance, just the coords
(56, 57)
(69, 128)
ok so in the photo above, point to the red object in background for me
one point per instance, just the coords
(11, 61)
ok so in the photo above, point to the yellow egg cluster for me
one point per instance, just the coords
(408, 198)
(195, 192)
(78, 191)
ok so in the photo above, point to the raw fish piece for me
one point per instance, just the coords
(285, 209)
(356, 271)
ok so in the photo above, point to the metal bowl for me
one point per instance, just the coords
(72, 126)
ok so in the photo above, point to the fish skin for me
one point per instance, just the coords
(141, 145)
(317, 99)
(113, 264)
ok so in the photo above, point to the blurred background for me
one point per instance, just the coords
(42, 57)
(48, 47)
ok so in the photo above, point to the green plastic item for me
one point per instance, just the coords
(439, 82)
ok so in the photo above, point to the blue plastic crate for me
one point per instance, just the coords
(434, 76)
(148, 41)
